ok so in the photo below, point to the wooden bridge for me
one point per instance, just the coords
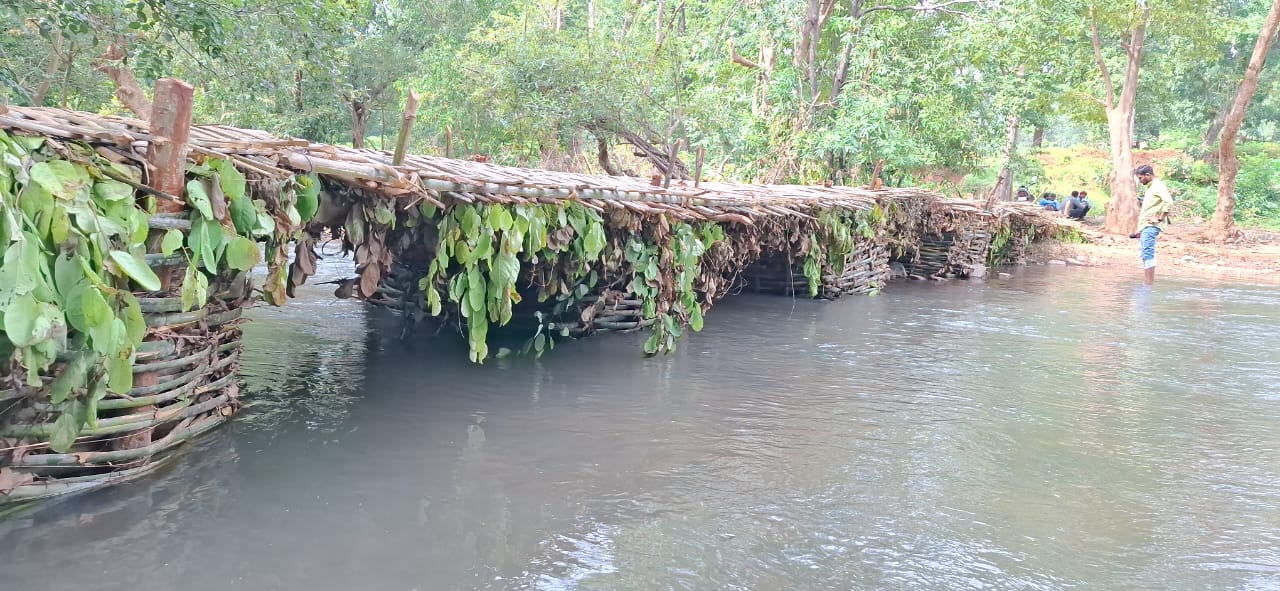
(538, 255)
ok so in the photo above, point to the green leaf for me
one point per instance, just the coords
(243, 215)
(135, 324)
(72, 377)
(291, 212)
(265, 225)
(354, 225)
(136, 268)
(109, 338)
(120, 374)
(95, 308)
(67, 427)
(35, 200)
(593, 241)
(506, 268)
(20, 321)
(469, 220)
(242, 254)
(172, 241)
(695, 318)
(231, 181)
(308, 196)
(198, 197)
(112, 191)
(651, 343)
(475, 289)
(195, 289)
(499, 218)
(381, 213)
(16, 276)
(484, 247)
(433, 300)
(60, 178)
(59, 226)
(204, 240)
(97, 391)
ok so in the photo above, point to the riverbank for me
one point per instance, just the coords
(1183, 252)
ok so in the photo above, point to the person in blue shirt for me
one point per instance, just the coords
(1048, 201)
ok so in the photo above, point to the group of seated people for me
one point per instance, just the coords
(1075, 207)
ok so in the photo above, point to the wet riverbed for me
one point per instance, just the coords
(1062, 428)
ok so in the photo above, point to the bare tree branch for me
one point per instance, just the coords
(923, 6)
(737, 58)
(130, 93)
(1097, 55)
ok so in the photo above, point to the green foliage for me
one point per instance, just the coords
(480, 250)
(1258, 188)
(837, 236)
(537, 82)
(72, 252)
(72, 242)
(484, 253)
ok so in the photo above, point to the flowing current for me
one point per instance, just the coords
(1061, 428)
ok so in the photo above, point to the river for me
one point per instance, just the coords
(1060, 428)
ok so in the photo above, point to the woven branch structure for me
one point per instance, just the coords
(539, 254)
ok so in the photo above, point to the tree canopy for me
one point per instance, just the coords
(804, 91)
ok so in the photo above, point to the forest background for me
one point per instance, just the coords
(972, 97)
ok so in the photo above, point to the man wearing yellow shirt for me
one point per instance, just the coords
(1156, 203)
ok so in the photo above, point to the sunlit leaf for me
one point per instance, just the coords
(242, 254)
(172, 241)
(136, 268)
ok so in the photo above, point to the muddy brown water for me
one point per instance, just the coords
(1062, 428)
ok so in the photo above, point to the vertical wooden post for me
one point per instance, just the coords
(406, 127)
(448, 141)
(166, 172)
(672, 152)
(697, 166)
(170, 129)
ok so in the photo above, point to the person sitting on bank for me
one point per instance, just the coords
(1078, 205)
(1023, 195)
(1048, 201)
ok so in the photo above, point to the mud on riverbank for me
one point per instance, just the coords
(1183, 251)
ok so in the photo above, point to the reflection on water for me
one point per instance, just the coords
(1053, 430)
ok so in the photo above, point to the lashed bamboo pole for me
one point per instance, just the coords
(406, 127)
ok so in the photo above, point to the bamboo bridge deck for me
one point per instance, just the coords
(535, 255)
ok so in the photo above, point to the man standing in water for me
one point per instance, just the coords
(1156, 203)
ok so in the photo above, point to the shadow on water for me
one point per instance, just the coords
(1050, 430)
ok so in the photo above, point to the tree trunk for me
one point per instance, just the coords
(1003, 191)
(815, 14)
(130, 93)
(658, 24)
(1122, 209)
(846, 52)
(1222, 226)
(298, 105)
(359, 123)
(1215, 127)
(602, 154)
(1037, 137)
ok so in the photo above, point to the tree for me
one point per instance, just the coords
(1223, 223)
(1122, 210)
